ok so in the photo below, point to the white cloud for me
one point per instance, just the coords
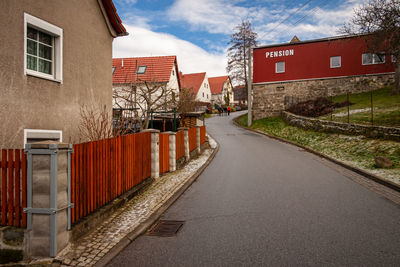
(214, 16)
(191, 58)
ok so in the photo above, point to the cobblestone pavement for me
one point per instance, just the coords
(91, 248)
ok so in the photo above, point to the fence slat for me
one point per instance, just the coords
(17, 189)
(3, 187)
(23, 167)
(10, 186)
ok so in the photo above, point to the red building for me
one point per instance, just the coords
(308, 69)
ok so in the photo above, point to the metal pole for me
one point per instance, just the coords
(174, 119)
(332, 108)
(372, 110)
(151, 119)
(249, 102)
(348, 108)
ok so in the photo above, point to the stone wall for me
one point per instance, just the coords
(12, 242)
(272, 98)
(371, 131)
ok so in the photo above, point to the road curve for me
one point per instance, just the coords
(265, 203)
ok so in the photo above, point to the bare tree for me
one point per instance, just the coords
(142, 98)
(187, 103)
(379, 21)
(241, 39)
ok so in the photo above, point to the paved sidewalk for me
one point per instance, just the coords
(90, 249)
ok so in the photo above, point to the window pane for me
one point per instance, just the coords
(280, 67)
(366, 59)
(379, 58)
(31, 62)
(335, 62)
(31, 47)
(45, 38)
(44, 66)
(141, 70)
(45, 51)
(32, 33)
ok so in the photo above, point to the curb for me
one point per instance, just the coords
(129, 238)
(368, 175)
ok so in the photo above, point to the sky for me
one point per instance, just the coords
(198, 31)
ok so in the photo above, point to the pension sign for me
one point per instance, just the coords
(280, 53)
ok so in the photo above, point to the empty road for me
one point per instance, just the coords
(265, 203)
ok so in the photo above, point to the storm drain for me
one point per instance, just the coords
(165, 228)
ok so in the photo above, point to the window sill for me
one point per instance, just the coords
(45, 77)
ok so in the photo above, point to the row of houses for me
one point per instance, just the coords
(134, 76)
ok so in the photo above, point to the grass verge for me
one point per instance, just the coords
(386, 108)
(357, 151)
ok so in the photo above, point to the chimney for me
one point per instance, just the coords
(122, 63)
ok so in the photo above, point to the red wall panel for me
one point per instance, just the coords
(312, 60)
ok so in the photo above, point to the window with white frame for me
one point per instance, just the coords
(141, 70)
(336, 62)
(42, 49)
(369, 58)
(280, 67)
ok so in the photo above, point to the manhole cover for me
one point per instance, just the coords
(165, 228)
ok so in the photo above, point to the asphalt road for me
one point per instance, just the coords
(265, 203)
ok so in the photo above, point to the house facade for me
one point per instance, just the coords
(136, 76)
(288, 73)
(198, 84)
(221, 90)
(56, 58)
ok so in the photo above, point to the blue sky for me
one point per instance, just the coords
(198, 31)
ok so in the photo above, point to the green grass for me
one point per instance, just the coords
(357, 151)
(385, 106)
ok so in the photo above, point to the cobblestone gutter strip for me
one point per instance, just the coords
(131, 220)
(354, 169)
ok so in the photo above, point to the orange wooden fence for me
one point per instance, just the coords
(103, 170)
(180, 144)
(192, 139)
(202, 134)
(164, 152)
(13, 187)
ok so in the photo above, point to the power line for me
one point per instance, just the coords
(290, 15)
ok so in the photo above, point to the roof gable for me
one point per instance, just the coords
(217, 84)
(193, 81)
(158, 69)
(112, 18)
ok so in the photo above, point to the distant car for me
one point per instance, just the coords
(238, 108)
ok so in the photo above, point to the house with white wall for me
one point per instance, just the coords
(134, 75)
(221, 90)
(198, 84)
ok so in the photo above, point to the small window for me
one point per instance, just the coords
(43, 49)
(368, 59)
(280, 67)
(113, 70)
(394, 58)
(336, 62)
(141, 70)
(203, 94)
(173, 73)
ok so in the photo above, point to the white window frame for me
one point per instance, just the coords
(340, 62)
(373, 59)
(393, 59)
(141, 70)
(27, 132)
(57, 34)
(276, 67)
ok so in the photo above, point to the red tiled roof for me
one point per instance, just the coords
(217, 84)
(158, 69)
(193, 81)
(113, 17)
